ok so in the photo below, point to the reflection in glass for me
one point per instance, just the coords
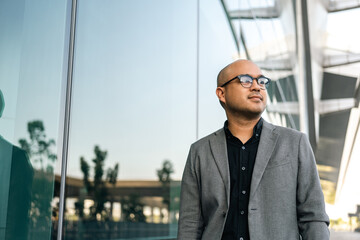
(40, 151)
(16, 177)
(32, 42)
(132, 117)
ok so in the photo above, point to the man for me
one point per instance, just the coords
(250, 179)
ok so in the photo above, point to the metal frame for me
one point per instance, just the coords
(234, 33)
(306, 99)
(67, 118)
(340, 59)
(197, 67)
(255, 13)
(338, 6)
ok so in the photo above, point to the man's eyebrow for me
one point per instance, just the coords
(260, 75)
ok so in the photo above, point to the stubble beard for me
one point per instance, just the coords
(244, 112)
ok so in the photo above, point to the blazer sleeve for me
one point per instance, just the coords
(190, 219)
(312, 219)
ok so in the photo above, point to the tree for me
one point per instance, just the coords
(164, 175)
(111, 177)
(112, 174)
(38, 148)
(99, 189)
(96, 188)
(42, 156)
(133, 209)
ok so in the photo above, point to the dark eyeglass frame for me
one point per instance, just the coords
(252, 78)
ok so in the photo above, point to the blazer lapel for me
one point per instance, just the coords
(219, 151)
(267, 144)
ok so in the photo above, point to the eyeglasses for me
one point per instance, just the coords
(246, 81)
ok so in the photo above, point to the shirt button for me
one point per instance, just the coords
(243, 147)
(242, 212)
(243, 168)
(257, 135)
(243, 192)
(241, 238)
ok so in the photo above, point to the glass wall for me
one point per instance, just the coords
(216, 49)
(32, 67)
(134, 113)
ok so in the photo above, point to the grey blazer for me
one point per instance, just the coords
(286, 200)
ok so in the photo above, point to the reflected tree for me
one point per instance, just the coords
(41, 153)
(111, 177)
(97, 187)
(133, 209)
(164, 175)
(38, 148)
(112, 174)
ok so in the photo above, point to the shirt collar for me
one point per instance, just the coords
(256, 131)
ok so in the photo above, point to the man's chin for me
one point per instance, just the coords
(253, 112)
(251, 115)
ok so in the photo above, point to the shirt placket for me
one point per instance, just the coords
(243, 168)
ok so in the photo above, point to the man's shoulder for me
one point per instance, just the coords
(205, 140)
(283, 131)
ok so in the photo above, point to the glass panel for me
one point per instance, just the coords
(342, 54)
(32, 47)
(133, 117)
(335, 40)
(265, 38)
(217, 49)
(247, 4)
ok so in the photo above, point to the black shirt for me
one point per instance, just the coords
(241, 164)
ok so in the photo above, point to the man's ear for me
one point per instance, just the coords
(220, 93)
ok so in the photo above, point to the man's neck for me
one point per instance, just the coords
(242, 128)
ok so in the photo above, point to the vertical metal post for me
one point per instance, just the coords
(197, 68)
(67, 119)
(306, 97)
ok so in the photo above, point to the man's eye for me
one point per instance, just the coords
(262, 81)
(246, 80)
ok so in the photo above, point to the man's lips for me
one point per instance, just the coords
(256, 96)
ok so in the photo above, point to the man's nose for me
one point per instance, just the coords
(255, 86)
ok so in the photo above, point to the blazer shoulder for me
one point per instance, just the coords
(205, 140)
(283, 131)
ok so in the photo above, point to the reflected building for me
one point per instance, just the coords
(123, 221)
(150, 194)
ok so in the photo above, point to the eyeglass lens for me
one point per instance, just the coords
(246, 81)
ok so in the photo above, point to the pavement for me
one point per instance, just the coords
(344, 235)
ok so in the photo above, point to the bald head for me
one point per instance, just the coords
(236, 68)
